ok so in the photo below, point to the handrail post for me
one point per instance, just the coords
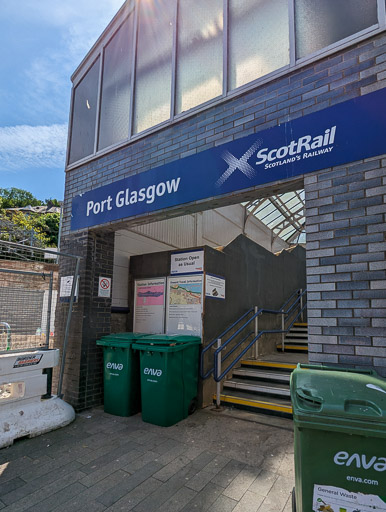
(301, 305)
(218, 384)
(282, 330)
(254, 352)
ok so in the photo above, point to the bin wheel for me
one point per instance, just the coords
(192, 406)
(293, 500)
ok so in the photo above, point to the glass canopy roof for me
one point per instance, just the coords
(284, 214)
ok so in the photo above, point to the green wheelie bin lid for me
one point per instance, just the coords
(169, 339)
(121, 339)
(339, 399)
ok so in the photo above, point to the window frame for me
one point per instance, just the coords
(130, 8)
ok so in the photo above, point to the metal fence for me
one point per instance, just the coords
(27, 308)
(30, 289)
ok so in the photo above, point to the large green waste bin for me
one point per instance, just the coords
(122, 392)
(340, 439)
(169, 377)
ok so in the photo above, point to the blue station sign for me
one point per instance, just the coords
(350, 131)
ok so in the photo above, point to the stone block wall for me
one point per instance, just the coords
(346, 266)
(91, 317)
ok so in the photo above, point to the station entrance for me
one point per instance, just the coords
(235, 275)
(227, 275)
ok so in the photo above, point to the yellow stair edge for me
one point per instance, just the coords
(270, 364)
(300, 324)
(255, 403)
(293, 347)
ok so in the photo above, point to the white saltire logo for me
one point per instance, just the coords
(239, 163)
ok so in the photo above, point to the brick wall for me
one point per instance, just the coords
(346, 267)
(350, 73)
(355, 71)
(83, 375)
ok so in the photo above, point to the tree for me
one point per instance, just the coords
(52, 202)
(48, 225)
(45, 226)
(17, 198)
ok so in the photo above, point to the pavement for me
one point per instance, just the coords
(211, 461)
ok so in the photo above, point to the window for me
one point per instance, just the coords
(190, 35)
(154, 64)
(84, 115)
(199, 52)
(116, 84)
(322, 23)
(258, 39)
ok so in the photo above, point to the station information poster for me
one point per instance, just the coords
(214, 287)
(149, 305)
(184, 305)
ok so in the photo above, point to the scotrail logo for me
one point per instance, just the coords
(300, 149)
(239, 163)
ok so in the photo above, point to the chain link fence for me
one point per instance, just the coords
(30, 290)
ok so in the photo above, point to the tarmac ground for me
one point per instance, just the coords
(211, 461)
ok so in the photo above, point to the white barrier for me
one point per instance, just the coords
(22, 410)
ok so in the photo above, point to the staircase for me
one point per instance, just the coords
(263, 385)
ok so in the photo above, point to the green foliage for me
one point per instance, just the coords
(17, 198)
(45, 226)
(52, 202)
(48, 226)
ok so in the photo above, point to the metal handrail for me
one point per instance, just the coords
(299, 293)
(210, 345)
(217, 377)
(216, 370)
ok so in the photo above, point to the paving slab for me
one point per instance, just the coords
(209, 462)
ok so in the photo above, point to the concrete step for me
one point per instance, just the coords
(266, 388)
(260, 374)
(297, 334)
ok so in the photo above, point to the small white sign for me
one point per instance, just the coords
(66, 286)
(341, 500)
(214, 287)
(104, 287)
(187, 262)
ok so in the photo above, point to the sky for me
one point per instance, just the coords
(41, 44)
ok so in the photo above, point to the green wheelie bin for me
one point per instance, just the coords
(340, 439)
(169, 377)
(122, 391)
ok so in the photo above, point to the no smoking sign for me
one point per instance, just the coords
(104, 287)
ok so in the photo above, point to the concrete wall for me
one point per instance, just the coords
(213, 228)
(254, 277)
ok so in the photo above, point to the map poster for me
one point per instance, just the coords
(184, 305)
(214, 286)
(149, 305)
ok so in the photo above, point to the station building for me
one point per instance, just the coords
(186, 115)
